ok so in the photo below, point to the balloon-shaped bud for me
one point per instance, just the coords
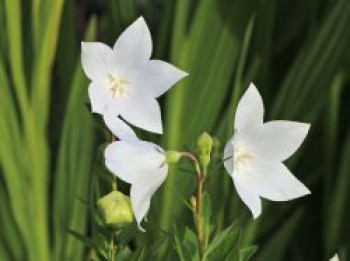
(116, 209)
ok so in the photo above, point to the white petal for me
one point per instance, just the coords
(142, 191)
(132, 160)
(134, 46)
(250, 199)
(335, 258)
(250, 110)
(144, 112)
(271, 180)
(228, 156)
(156, 77)
(98, 60)
(98, 98)
(118, 127)
(280, 139)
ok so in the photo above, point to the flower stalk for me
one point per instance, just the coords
(112, 249)
(200, 235)
(194, 160)
(198, 205)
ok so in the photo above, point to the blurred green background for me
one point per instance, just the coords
(297, 53)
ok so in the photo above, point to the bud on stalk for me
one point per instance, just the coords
(205, 145)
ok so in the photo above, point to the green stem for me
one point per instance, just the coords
(198, 210)
(112, 246)
(200, 236)
(114, 183)
(194, 160)
(112, 250)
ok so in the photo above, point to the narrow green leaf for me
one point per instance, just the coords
(246, 253)
(85, 239)
(339, 201)
(275, 248)
(187, 248)
(223, 243)
(206, 212)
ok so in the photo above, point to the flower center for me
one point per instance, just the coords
(118, 86)
(241, 155)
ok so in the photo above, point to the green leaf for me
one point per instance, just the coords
(206, 212)
(336, 211)
(241, 254)
(223, 243)
(274, 248)
(85, 239)
(187, 248)
(138, 255)
(179, 249)
(73, 168)
(246, 253)
(124, 253)
(126, 234)
(311, 71)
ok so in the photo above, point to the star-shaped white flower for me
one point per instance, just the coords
(254, 154)
(125, 82)
(335, 258)
(141, 164)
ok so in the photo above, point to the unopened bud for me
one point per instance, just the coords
(116, 209)
(172, 156)
(193, 202)
(205, 144)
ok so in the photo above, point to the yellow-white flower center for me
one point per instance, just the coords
(118, 86)
(241, 155)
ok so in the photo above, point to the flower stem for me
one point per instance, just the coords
(112, 250)
(114, 183)
(200, 236)
(194, 160)
(112, 246)
(198, 209)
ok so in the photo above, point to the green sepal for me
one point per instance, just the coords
(172, 156)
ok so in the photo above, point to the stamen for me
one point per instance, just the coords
(118, 86)
(241, 155)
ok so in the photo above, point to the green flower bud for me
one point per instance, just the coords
(205, 144)
(193, 201)
(172, 156)
(116, 209)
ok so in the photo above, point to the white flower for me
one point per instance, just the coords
(254, 154)
(334, 258)
(143, 165)
(125, 82)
